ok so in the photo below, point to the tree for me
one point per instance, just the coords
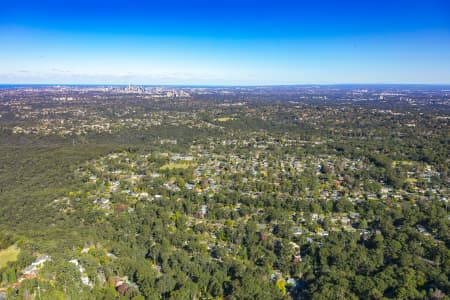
(215, 288)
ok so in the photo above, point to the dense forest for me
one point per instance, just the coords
(218, 196)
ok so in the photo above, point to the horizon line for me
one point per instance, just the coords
(225, 85)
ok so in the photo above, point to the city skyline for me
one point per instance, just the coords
(225, 43)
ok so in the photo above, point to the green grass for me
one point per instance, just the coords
(8, 255)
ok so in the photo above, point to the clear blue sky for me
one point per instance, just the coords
(224, 42)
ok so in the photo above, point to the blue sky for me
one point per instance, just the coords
(224, 42)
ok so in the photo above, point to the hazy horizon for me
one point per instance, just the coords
(181, 85)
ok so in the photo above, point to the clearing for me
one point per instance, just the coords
(9, 254)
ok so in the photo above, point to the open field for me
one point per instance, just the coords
(9, 254)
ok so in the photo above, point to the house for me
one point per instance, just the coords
(422, 229)
(204, 209)
(122, 289)
(291, 282)
(345, 220)
(189, 186)
(28, 276)
(41, 260)
(297, 231)
(32, 270)
(354, 215)
(276, 275)
(82, 270)
(117, 281)
(114, 186)
(296, 259)
(122, 284)
(103, 203)
(143, 196)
